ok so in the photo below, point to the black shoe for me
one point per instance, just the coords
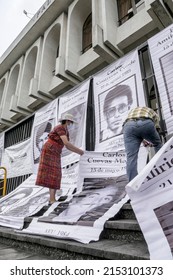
(62, 198)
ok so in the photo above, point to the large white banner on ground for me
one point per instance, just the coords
(44, 121)
(69, 181)
(75, 102)
(117, 89)
(17, 159)
(26, 200)
(82, 216)
(161, 49)
(151, 194)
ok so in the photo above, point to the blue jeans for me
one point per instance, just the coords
(134, 133)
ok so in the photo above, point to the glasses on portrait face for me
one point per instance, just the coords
(121, 108)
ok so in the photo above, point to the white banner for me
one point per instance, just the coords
(69, 179)
(161, 49)
(98, 198)
(44, 121)
(75, 102)
(151, 194)
(102, 164)
(17, 159)
(117, 89)
(26, 200)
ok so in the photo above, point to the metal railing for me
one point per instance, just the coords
(3, 180)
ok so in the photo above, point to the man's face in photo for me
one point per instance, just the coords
(117, 112)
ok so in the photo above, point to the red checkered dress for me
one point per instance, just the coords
(49, 170)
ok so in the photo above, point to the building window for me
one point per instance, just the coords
(87, 34)
(127, 9)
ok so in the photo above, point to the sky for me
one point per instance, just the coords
(13, 19)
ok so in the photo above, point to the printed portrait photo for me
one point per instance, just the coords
(40, 136)
(76, 132)
(14, 198)
(164, 215)
(114, 106)
(90, 204)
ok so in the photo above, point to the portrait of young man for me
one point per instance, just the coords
(116, 105)
(87, 206)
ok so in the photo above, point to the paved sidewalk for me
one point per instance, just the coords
(8, 252)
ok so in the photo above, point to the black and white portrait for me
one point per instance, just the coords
(76, 132)
(114, 106)
(14, 198)
(164, 215)
(40, 136)
(90, 204)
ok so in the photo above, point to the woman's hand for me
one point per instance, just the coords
(70, 146)
(82, 152)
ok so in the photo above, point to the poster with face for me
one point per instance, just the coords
(74, 102)
(98, 197)
(116, 92)
(114, 106)
(151, 194)
(88, 205)
(161, 49)
(26, 200)
(44, 121)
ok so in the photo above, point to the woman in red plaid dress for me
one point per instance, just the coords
(49, 170)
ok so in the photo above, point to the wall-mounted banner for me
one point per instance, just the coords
(161, 49)
(100, 196)
(17, 159)
(117, 89)
(151, 194)
(44, 121)
(26, 200)
(75, 103)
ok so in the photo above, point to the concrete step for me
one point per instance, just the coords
(9, 252)
(122, 230)
(126, 212)
(66, 249)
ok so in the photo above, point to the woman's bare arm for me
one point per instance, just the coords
(70, 146)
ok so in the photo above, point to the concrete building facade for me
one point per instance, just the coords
(68, 41)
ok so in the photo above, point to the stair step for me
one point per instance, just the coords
(102, 249)
(125, 224)
(122, 230)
